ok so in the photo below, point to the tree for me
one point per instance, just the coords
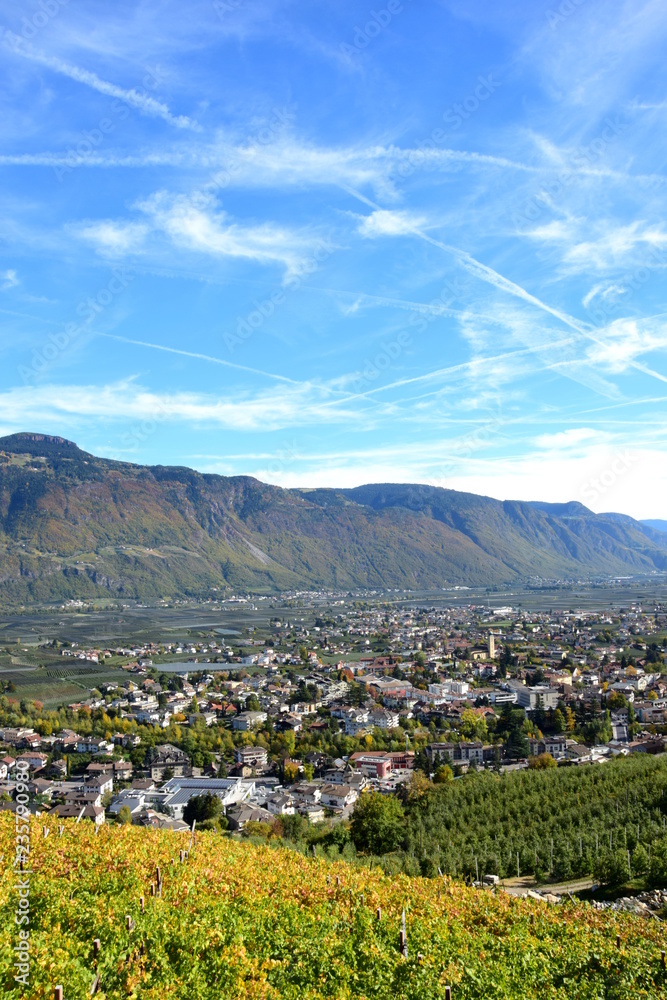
(291, 772)
(517, 744)
(611, 868)
(377, 825)
(357, 694)
(633, 727)
(542, 762)
(201, 808)
(443, 775)
(293, 827)
(254, 829)
(473, 726)
(415, 789)
(124, 815)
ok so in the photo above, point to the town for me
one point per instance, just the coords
(303, 721)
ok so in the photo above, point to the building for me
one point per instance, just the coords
(239, 815)
(454, 753)
(383, 718)
(251, 756)
(179, 791)
(34, 761)
(338, 797)
(281, 804)
(357, 721)
(373, 765)
(101, 783)
(539, 696)
(165, 758)
(306, 793)
(555, 745)
(246, 721)
(74, 811)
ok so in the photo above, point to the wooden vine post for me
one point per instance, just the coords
(404, 937)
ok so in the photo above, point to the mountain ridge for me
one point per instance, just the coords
(74, 525)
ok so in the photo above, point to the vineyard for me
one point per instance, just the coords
(564, 822)
(121, 913)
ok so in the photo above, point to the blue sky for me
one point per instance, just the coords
(334, 243)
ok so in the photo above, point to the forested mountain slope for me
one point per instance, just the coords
(73, 525)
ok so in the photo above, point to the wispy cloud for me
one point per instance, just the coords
(117, 403)
(608, 247)
(8, 279)
(112, 238)
(195, 223)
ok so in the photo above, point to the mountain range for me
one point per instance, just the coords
(74, 525)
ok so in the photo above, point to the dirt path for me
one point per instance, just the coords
(521, 886)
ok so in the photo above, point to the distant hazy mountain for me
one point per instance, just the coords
(73, 525)
(657, 525)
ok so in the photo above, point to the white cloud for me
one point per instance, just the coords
(603, 290)
(603, 477)
(112, 238)
(387, 223)
(616, 245)
(193, 222)
(565, 440)
(8, 279)
(620, 343)
(607, 243)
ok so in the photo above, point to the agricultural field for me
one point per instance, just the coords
(240, 921)
(566, 822)
(54, 681)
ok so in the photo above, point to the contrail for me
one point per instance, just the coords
(491, 277)
(201, 357)
(231, 364)
(141, 101)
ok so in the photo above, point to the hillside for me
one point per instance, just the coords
(239, 921)
(73, 525)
